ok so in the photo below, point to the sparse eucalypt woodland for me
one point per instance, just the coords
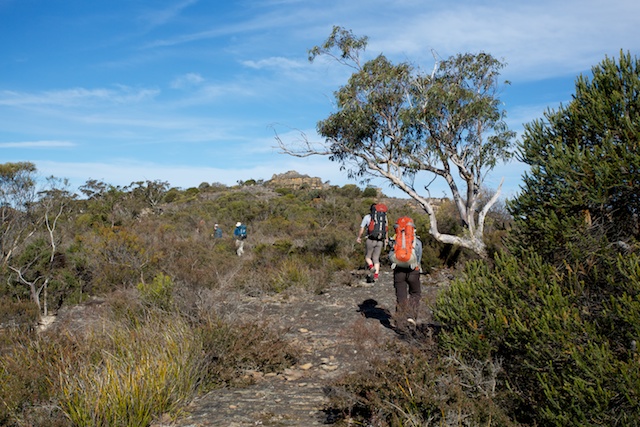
(396, 122)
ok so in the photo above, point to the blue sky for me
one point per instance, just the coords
(190, 91)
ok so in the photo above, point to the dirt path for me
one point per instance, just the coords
(338, 330)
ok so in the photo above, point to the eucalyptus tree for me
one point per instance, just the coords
(396, 122)
(151, 193)
(17, 198)
(31, 212)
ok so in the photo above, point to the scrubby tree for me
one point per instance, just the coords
(30, 238)
(106, 202)
(151, 192)
(584, 158)
(35, 266)
(17, 196)
(396, 122)
(562, 310)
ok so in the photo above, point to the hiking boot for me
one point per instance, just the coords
(375, 277)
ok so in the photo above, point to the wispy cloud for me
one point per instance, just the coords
(275, 62)
(187, 80)
(160, 17)
(77, 96)
(537, 40)
(37, 144)
(252, 24)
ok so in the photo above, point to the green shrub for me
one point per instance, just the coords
(565, 349)
(137, 374)
(118, 256)
(24, 373)
(232, 350)
(17, 313)
(350, 191)
(158, 293)
(584, 159)
(291, 272)
(370, 192)
(172, 195)
(414, 389)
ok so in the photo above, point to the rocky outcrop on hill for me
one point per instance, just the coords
(296, 181)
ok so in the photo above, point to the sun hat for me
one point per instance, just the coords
(238, 224)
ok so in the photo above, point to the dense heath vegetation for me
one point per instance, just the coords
(543, 333)
(143, 259)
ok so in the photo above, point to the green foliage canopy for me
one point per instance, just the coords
(394, 121)
(561, 312)
(584, 159)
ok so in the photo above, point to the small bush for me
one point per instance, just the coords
(413, 389)
(230, 351)
(140, 373)
(290, 273)
(17, 313)
(28, 369)
(565, 348)
(158, 293)
(370, 192)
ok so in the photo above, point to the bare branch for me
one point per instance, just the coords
(303, 147)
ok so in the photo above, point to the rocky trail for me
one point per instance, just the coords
(338, 331)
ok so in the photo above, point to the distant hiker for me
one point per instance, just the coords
(377, 229)
(217, 231)
(240, 233)
(405, 256)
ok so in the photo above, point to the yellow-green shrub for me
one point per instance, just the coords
(158, 293)
(140, 373)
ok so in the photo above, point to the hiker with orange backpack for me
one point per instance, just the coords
(377, 229)
(405, 256)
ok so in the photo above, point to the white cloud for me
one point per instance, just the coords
(275, 62)
(77, 96)
(537, 40)
(187, 80)
(37, 144)
(160, 17)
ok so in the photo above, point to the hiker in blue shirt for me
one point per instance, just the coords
(217, 231)
(240, 233)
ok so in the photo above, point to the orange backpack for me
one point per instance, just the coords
(404, 254)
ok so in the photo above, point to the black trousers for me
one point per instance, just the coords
(408, 292)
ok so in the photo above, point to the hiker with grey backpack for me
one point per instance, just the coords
(377, 232)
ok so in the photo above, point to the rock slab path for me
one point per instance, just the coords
(339, 331)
